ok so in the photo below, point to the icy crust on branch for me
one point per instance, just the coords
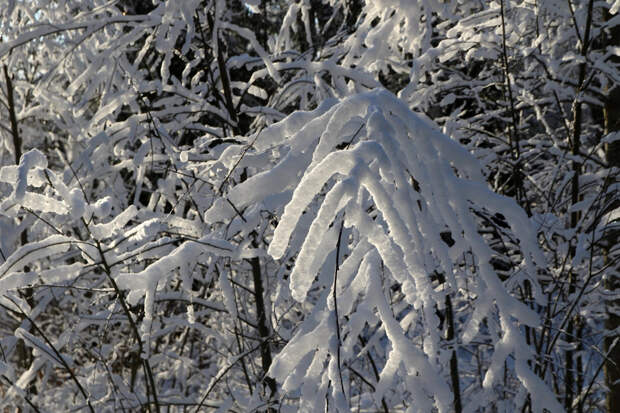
(395, 182)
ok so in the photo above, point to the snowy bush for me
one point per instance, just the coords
(309, 206)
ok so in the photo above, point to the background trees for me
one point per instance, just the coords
(218, 205)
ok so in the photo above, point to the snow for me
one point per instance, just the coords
(42, 203)
(251, 38)
(41, 348)
(31, 159)
(404, 238)
(228, 294)
(253, 5)
(34, 251)
(115, 225)
(369, 211)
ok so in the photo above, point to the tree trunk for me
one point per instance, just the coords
(612, 153)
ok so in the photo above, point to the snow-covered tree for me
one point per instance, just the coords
(309, 205)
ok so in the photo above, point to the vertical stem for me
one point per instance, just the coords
(24, 354)
(221, 64)
(575, 143)
(568, 367)
(612, 284)
(263, 329)
(454, 367)
(17, 140)
(146, 366)
(335, 298)
(375, 371)
(514, 141)
(579, 366)
(513, 136)
(257, 278)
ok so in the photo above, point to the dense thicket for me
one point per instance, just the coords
(309, 205)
